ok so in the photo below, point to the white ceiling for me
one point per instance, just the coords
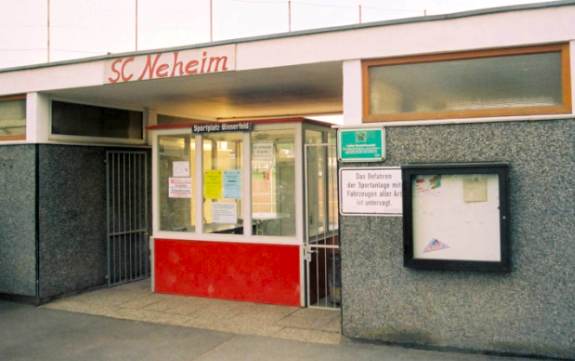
(292, 90)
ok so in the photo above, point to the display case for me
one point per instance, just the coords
(456, 217)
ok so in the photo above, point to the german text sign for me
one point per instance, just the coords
(370, 191)
(361, 145)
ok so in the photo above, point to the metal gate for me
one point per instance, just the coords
(127, 216)
(321, 248)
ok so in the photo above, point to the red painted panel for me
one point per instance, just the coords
(237, 271)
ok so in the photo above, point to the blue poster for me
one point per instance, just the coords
(232, 184)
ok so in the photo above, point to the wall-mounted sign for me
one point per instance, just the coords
(232, 184)
(222, 127)
(170, 64)
(180, 187)
(370, 191)
(181, 168)
(224, 213)
(456, 217)
(213, 184)
(361, 145)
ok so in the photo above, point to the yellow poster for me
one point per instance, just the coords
(213, 184)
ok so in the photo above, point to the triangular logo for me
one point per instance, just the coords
(434, 245)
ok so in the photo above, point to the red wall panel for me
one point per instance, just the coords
(237, 271)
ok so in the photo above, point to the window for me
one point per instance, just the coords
(13, 118)
(91, 121)
(520, 81)
(273, 181)
(176, 167)
(222, 183)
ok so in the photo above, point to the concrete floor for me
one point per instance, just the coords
(28, 333)
(136, 302)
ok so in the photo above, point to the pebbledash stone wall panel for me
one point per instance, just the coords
(18, 220)
(527, 311)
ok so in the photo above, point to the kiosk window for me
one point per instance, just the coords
(273, 182)
(176, 167)
(519, 81)
(13, 118)
(222, 183)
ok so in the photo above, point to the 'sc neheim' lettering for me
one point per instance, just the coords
(124, 76)
(115, 71)
(150, 67)
(177, 65)
(217, 60)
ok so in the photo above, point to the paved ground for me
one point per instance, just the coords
(28, 333)
(136, 302)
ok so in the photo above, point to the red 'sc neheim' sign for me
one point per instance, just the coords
(170, 64)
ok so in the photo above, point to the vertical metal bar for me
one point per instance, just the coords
(143, 233)
(48, 32)
(130, 215)
(306, 223)
(211, 20)
(116, 217)
(289, 15)
(146, 211)
(138, 216)
(107, 162)
(136, 26)
(125, 221)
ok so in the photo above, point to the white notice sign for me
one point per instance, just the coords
(180, 187)
(370, 191)
(181, 169)
(224, 213)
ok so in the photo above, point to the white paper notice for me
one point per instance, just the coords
(365, 191)
(263, 151)
(180, 187)
(181, 169)
(224, 213)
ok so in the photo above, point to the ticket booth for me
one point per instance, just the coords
(235, 207)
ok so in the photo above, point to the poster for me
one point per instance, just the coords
(263, 151)
(232, 184)
(370, 191)
(224, 213)
(180, 187)
(213, 184)
(181, 168)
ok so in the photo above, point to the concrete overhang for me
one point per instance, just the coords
(283, 91)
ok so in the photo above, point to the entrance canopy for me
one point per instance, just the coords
(269, 92)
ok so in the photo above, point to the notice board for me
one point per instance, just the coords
(456, 216)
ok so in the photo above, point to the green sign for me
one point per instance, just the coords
(361, 145)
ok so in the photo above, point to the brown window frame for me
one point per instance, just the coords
(564, 108)
(15, 136)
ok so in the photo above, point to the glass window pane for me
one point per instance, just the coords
(222, 178)
(12, 117)
(466, 85)
(273, 182)
(456, 217)
(176, 167)
(316, 167)
(91, 121)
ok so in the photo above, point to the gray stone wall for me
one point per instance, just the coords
(17, 220)
(72, 196)
(528, 311)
